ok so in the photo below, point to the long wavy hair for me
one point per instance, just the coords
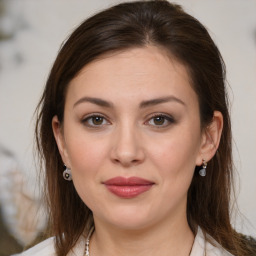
(122, 27)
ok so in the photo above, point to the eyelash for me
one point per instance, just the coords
(86, 120)
(167, 118)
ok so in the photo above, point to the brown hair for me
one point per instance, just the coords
(124, 26)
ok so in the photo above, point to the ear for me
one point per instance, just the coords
(210, 139)
(60, 140)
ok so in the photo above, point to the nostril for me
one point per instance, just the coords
(126, 149)
(126, 161)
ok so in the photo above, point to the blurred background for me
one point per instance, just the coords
(31, 32)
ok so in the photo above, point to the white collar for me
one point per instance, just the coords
(202, 247)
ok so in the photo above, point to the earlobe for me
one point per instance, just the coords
(211, 138)
(59, 138)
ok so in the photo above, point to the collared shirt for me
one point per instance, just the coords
(200, 248)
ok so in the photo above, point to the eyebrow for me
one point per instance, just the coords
(157, 101)
(97, 101)
(143, 104)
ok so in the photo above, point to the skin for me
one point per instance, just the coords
(161, 141)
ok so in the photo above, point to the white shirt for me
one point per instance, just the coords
(200, 248)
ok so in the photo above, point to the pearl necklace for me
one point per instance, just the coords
(87, 243)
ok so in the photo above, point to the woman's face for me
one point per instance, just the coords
(131, 136)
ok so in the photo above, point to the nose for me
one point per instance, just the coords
(127, 148)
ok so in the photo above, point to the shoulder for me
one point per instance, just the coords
(202, 247)
(47, 248)
(216, 250)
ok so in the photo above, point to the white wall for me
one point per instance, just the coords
(40, 26)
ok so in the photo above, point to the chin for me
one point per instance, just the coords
(129, 224)
(128, 219)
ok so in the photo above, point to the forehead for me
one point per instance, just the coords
(145, 72)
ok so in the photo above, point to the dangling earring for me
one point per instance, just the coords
(67, 174)
(202, 171)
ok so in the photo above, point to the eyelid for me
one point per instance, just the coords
(167, 117)
(91, 115)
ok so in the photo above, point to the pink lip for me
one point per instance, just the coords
(128, 187)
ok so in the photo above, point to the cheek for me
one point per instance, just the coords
(86, 154)
(175, 161)
(87, 158)
(176, 155)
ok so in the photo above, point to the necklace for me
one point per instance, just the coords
(87, 243)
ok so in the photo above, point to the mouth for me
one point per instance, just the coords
(128, 187)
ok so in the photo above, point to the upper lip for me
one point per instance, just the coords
(130, 181)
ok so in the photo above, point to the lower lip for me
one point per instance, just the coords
(129, 191)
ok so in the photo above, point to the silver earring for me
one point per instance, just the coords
(67, 174)
(202, 171)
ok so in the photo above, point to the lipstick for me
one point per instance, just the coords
(128, 187)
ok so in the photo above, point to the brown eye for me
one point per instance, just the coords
(97, 120)
(159, 120)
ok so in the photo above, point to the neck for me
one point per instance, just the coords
(161, 239)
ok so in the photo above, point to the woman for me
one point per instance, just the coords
(135, 109)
